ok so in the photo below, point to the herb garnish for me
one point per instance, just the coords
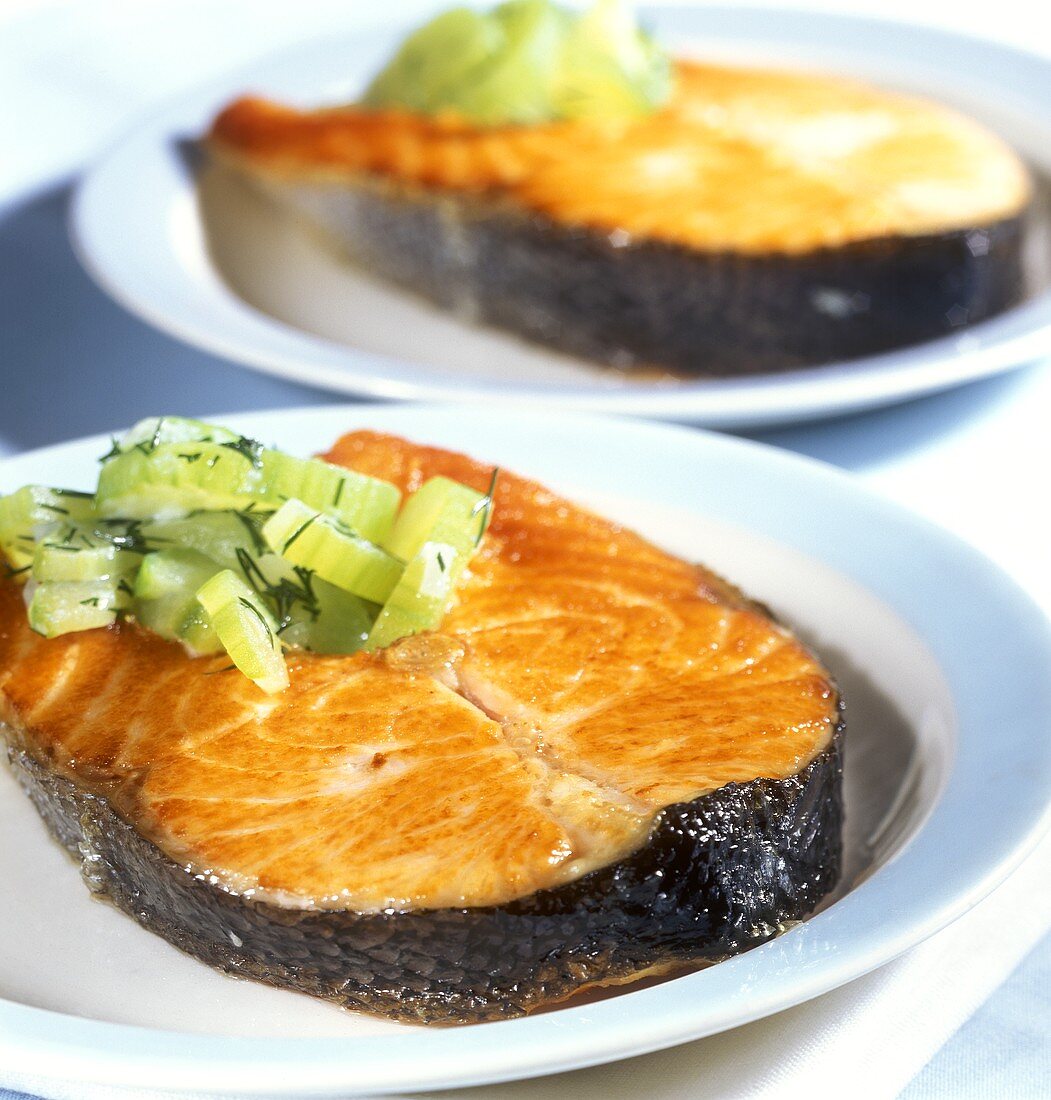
(251, 449)
(114, 450)
(485, 506)
(299, 530)
(259, 615)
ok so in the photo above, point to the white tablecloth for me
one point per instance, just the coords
(73, 75)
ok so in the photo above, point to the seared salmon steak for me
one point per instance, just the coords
(760, 220)
(604, 762)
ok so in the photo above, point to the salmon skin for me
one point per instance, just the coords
(606, 762)
(761, 221)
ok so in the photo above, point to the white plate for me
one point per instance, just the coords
(942, 661)
(234, 276)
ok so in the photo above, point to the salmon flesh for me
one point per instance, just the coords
(761, 221)
(605, 762)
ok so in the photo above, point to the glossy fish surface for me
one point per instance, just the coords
(761, 221)
(476, 821)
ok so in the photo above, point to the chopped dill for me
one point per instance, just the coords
(114, 450)
(156, 438)
(259, 615)
(91, 601)
(484, 507)
(250, 449)
(126, 534)
(251, 521)
(299, 530)
(282, 596)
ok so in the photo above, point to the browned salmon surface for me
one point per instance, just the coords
(740, 159)
(585, 680)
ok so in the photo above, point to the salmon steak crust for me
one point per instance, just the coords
(605, 762)
(761, 220)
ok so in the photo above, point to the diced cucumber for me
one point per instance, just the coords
(246, 629)
(308, 538)
(179, 618)
(516, 63)
(222, 536)
(173, 479)
(340, 623)
(166, 571)
(63, 607)
(156, 430)
(70, 561)
(166, 598)
(167, 480)
(219, 543)
(365, 504)
(441, 510)
(436, 58)
(33, 510)
(421, 597)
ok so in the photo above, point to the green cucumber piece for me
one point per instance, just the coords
(340, 622)
(34, 510)
(434, 60)
(421, 597)
(225, 537)
(319, 543)
(59, 607)
(441, 510)
(246, 629)
(154, 431)
(515, 85)
(166, 600)
(168, 480)
(167, 572)
(68, 561)
(173, 479)
(609, 68)
(525, 62)
(365, 504)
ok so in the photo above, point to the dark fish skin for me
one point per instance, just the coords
(717, 875)
(648, 304)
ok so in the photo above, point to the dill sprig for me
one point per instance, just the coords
(250, 449)
(124, 534)
(484, 507)
(248, 605)
(282, 596)
(252, 519)
(114, 451)
(298, 531)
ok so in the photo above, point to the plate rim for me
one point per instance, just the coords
(80, 1049)
(1002, 343)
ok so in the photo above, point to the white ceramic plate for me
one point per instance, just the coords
(226, 272)
(942, 661)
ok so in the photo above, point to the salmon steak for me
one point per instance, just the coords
(604, 763)
(760, 220)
